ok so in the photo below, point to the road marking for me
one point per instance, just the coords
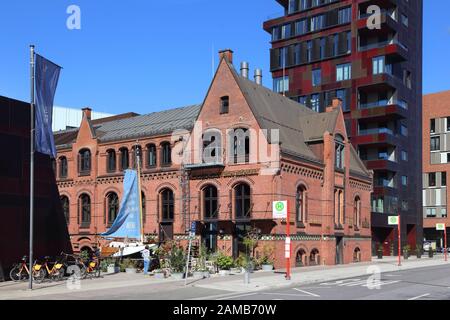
(309, 293)
(421, 296)
(284, 294)
(238, 296)
(379, 283)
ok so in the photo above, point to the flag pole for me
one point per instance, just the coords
(30, 286)
(138, 156)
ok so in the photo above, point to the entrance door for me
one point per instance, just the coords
(339, 250)
(241, 231)
(166, 232)
(209, 236)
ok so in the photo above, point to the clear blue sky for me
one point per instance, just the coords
(148, 55)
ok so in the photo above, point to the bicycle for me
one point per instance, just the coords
(57, 271)
(92, 270)
(20, 272)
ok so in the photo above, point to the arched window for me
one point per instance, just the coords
(240, 139)
(212, 147)
(357, 212)
(111, 160)
(63, 167)
(166, 153)
(136, 154)
(66, 208)
(339, 152)
(339, 207)
(124, 159)
(210, 202)
(112, 207)
(144, 217)
(242, 204)
(167, 205)
(84, 204)
(84, 161)
(301, 203)
(151, 155)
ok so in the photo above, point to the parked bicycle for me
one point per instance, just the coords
(20, 272)
(92, 268)
(56, 271)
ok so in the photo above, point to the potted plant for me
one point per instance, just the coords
(419, 251)
(130, 266)
(177, 262)
(430, 252)
(110, 266)
(380, 251)
(406, 250)
(225, 263)
(266, 260)
(200, 270)
(159, 274)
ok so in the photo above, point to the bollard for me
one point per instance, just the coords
(247, 276)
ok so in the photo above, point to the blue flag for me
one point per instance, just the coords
(46, 81)
(128, 221)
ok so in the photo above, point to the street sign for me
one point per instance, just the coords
(193, 226)
(440, 226)
(280, 209)
(393, 220)
(287, 248)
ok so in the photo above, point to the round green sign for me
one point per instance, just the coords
(279, 206)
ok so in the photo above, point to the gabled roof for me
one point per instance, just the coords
(156, 123)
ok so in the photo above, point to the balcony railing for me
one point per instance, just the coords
(383, 103)
(375, 131)
(382, 44)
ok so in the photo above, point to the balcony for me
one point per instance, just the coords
(366, 132)
(387, 24)
(381, 110)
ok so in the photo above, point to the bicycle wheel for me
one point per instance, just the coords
(39, 275)
(17, 274)
(59, 275)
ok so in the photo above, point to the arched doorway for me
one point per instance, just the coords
(314, 257)
(357, 255)
(300, 258)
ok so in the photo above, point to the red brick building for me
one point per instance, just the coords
(306, 160)
(436, 164)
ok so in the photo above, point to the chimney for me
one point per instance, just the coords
(88, 112)
(258, 76)
(227, 54)
(244, 69)
(336, 103)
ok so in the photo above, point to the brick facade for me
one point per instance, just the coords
(316, 236)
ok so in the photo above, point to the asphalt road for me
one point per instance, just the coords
(431, 283)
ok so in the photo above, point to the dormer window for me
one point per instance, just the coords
(224, 105)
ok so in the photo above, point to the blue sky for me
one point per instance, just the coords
(148, 55)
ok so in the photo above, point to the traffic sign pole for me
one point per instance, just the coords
(288, 244)
(445, 242)
(399, 243)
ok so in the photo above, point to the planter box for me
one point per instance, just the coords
(267, 267)
(224, 273)
(236, 270)
(178, 275)
(131, 270)
(113, 270)
(199, 274)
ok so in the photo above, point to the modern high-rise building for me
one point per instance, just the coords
(368, 54)
(436, 164)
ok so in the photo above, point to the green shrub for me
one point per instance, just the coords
(224, 262)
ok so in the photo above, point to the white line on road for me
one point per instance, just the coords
(309, 293)
(284, 294)
(419, 297)
(238, 296)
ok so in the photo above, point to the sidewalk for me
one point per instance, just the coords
(234, 283)
(310, 275)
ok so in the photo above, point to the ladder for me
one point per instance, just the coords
(185, 198)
